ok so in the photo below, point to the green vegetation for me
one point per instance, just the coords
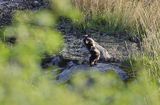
(23, 82)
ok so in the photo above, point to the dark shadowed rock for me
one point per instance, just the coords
(58, 61)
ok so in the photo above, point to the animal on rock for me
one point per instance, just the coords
(95, 55)
(91, 46)
(88, 41)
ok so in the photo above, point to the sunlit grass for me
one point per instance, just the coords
(133, 16)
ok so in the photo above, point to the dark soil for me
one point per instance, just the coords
(8, 7)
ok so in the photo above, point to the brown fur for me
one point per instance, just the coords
(95, 55)
(88, 41)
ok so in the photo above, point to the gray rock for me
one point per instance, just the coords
(102, 67)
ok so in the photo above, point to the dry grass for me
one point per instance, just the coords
(118, 14)
(137, 17)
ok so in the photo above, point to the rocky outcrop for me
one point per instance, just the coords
(101, 67)
(7, 7)
(67, 67)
